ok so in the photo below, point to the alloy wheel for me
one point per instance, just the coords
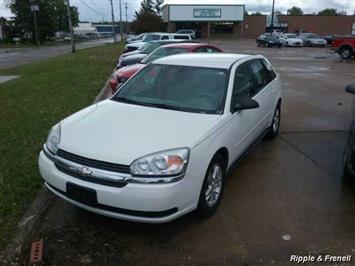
(214, 185)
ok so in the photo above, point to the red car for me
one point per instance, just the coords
(345, 46)
(123, 74)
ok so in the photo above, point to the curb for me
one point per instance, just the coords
(33, 216)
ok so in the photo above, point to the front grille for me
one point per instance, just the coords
(91, 179)
(119, 168)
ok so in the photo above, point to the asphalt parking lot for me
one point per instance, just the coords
(286, 197)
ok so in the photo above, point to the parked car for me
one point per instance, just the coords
(192, 33)
(349, 152)
(123, 74)
(311, 39)
(136, 56)
(184, 120)
(269, 40)
(344, 46)
(136, 38)
(156, 37)
(330, 38)
(291, 39)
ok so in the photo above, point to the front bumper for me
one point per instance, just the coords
(150, 203)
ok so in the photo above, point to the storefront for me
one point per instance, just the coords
(206, 18)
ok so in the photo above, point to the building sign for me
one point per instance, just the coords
(201, 13)
(207, 12)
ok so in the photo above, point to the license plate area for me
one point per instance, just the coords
(81, 194)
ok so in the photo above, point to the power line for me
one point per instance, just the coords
(93, 10)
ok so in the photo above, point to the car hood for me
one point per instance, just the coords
(120, 133)
(132, 59)
(294, 40)
(129, 71)
(129, 53)
(136, 44)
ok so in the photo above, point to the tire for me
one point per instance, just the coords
(346, 52)
(308, 44)
(207, 204)
(275, 123)
(286, 44)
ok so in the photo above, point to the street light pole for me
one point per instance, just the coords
(34, 9)
(121, 20)
(113, 23)
(126, 29)
(70, 27)
(272, 16)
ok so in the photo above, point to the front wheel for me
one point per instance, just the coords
(275, 124)
(346, 52)
(212, 187)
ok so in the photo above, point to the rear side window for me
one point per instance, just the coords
(165, 37)
(181, 37)
(260, 73)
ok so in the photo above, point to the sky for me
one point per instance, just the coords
(98, 10)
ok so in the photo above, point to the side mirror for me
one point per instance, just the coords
(350, 88)
(245, 103)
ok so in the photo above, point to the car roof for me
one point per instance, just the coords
(213, 60)
(167, 41)
(187, 45)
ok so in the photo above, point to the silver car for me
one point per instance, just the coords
(311, 39)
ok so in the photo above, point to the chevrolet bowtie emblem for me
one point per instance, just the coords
(85, 171)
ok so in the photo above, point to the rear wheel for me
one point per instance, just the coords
(212, 187)
(346, 52)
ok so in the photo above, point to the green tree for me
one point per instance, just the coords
(51, 17)
(295, 11)
(330, 12)
(146, 19)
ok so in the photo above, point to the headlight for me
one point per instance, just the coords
(53, 139)
(165, 163)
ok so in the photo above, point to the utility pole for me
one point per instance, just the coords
(121, 32)
(272, 16)
(126, 28)
(113, 23)
(70, 27)
(34, 9)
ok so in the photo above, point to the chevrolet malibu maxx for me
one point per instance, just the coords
(162, 145)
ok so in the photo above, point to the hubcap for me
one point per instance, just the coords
(214, 185)
(276, 121)
(346, 53)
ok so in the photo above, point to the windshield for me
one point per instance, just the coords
(183, 88)
(291, 36)
(149, 47)
(161, 52)
(144, 46)
(312, 36)
(151, 37)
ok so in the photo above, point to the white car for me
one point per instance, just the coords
(291, 39)
(311, 39)
(156, 37)
(162, 145)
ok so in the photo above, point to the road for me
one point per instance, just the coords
(286, 197)
(10, 57)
